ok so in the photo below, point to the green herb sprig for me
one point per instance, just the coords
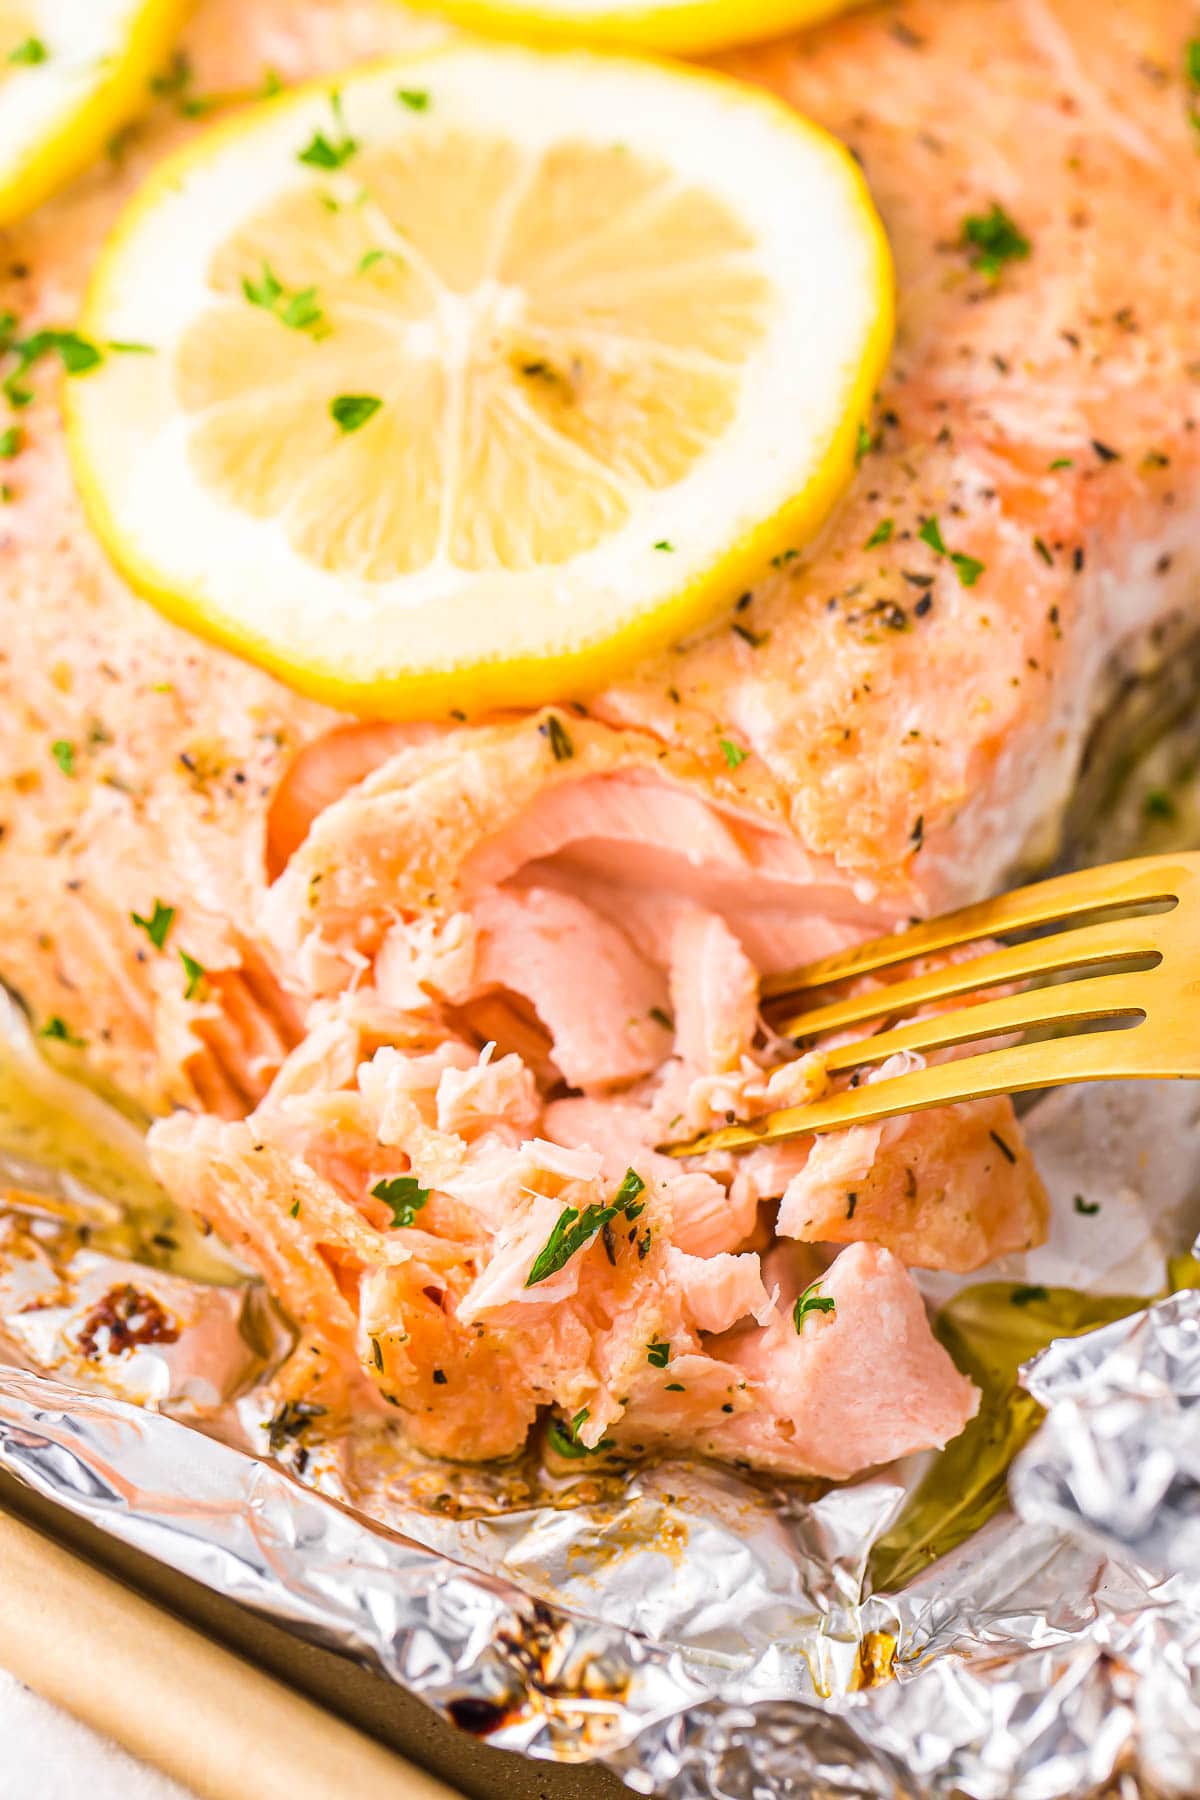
(575, 1228)
(565, 1438)
(992, 239)
(810, 1301)
(405, 1195)
(157, 925)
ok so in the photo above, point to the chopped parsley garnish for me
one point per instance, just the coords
(560, 741)
(10, 442)
(664, 544)
(811, 1302)
(64, 755)
(675, 1387)
(574, 1230)
(195, 973)
(302, 311)
(1191, 61)
(1043, 550)
(368, 259)
(265, 292)
(350, 412)
(30, 52)
(299, 310)
(157, 925)
(931, 534)
(60, 1032)
(334, 151)
(1063, 462)
(993, 239)
(658, 1355)
(881, 534)
(565, 1438)
(294, 1210)
(126, 347)
(631, 1187)
(1086, 1207)
(1025, 1296)
(862, 443)
(405, 1195)
(967, 568)
(76, 353)
(416, 99)
(733, 753)
(1158, 805)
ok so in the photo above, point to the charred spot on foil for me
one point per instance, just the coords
(479, 1717)
(129, 1318)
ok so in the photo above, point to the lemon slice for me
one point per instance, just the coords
(71, 72)
(683, 26)
(481, 374)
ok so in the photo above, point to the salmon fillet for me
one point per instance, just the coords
(599, 900)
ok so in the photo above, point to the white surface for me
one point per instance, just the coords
(49, 1754)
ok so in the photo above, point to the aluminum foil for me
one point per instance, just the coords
(700, 1633)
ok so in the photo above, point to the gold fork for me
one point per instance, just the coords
(1142, 969)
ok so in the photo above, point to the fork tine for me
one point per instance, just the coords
(1014, 1070)
(1119, 940)
(1044, 903)
(1073, 1002)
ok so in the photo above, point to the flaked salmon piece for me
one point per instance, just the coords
(854, 1386)
(247, 1192)
(707, 1215)
(444, 1315)
(899, 1184)
(596, 995)
(714, 992)
(422, 958)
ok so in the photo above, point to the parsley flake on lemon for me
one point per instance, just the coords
(429, 400)
(71, 73)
